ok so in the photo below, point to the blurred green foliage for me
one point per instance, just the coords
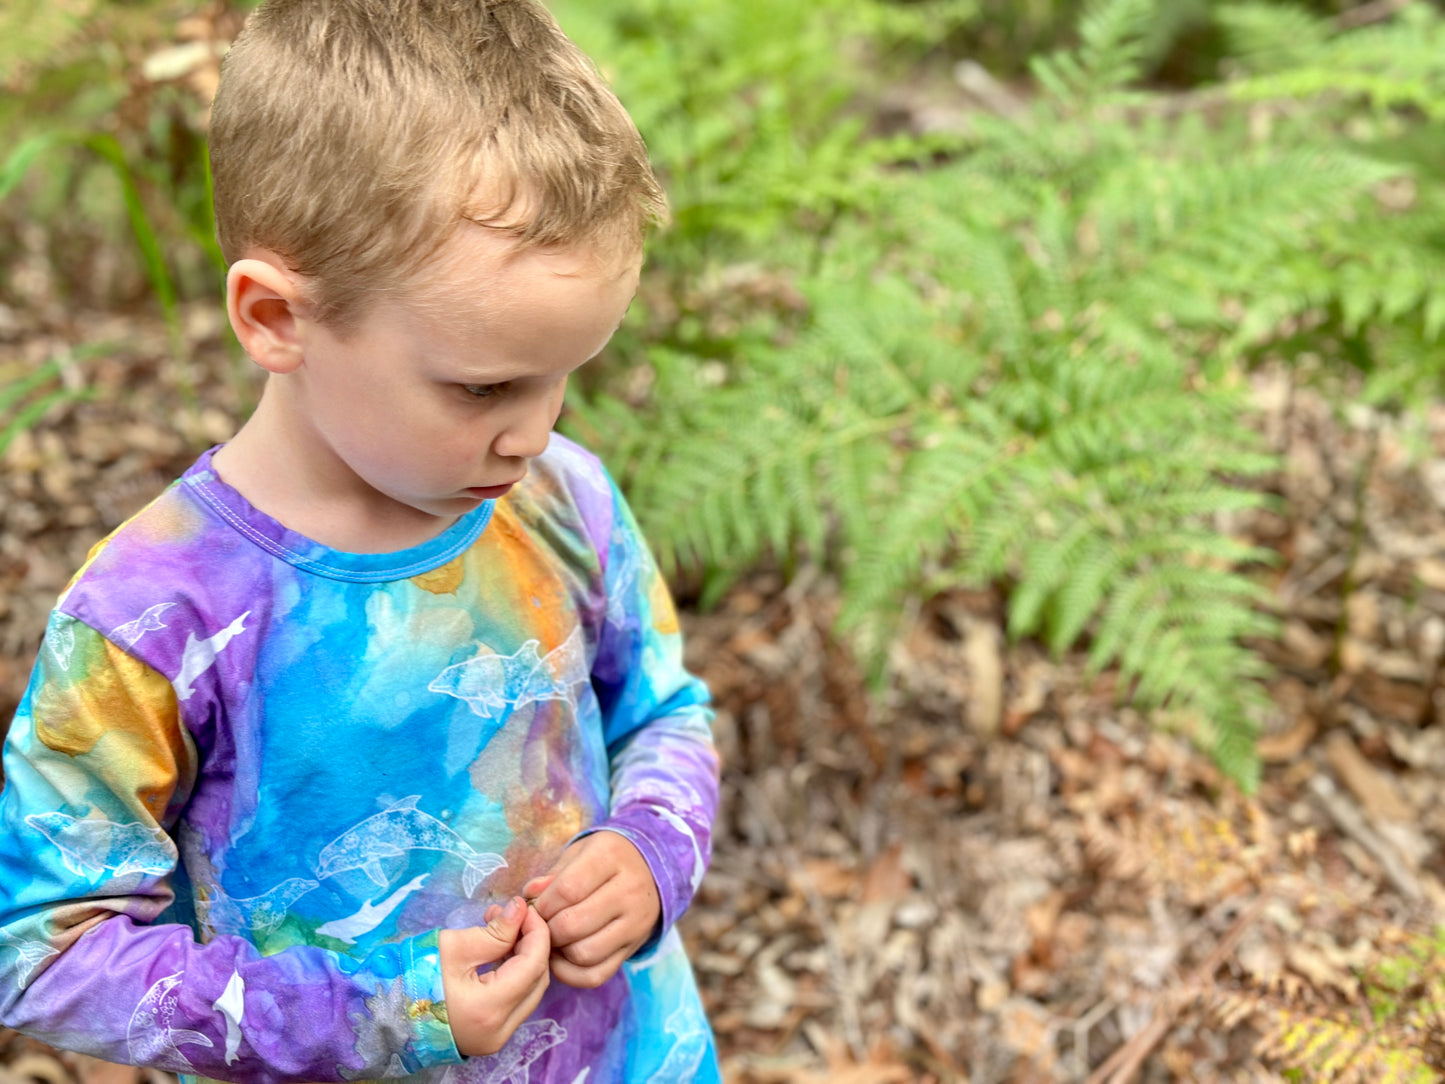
(1005, 347)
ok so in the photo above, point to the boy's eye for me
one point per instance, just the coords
(482, 391)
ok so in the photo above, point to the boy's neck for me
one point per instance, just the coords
(272, 464)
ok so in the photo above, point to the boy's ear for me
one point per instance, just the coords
(262, 300)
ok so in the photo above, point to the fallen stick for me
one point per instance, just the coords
(1352, 822)
(1126, 1061)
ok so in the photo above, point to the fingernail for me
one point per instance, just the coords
(514, 908)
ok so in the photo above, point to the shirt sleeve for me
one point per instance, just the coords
(94, 956)
(657, 724)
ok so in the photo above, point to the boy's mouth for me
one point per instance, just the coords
(490, 493)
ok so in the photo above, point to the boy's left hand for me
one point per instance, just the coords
(600, 904)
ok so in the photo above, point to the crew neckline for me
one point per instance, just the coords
(311, 556)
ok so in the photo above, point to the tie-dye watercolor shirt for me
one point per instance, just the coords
(252, 777)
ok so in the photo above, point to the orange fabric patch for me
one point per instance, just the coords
(124, 703)
(444, 580)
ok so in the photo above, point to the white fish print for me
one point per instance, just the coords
(232, 1005)
(200, 654)
(371, 914)
(688, 1049)
(392, 833)
(32, 954)
(491, 683)
(256, 914)
(511, 1064)
(150, 1038)
(126, 635)
(104, 845)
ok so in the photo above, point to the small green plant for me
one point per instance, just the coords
(24, 157)
(105, 146)
(25, 400)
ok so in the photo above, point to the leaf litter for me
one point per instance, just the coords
(993, 872)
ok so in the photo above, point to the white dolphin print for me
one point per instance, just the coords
(150, 1038)
(105, 845)
(371, 915)
(391, 834)
(491, 684)
(126, 635)
(200, 654)
(232, 1005)
(32, 954)
(257, 914)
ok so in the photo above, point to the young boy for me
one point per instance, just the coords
(376, 720)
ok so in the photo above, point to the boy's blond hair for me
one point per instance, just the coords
(352, 137)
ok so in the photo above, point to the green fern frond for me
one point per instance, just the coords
(1111, 53)
(1267, 37)
(1398, 64)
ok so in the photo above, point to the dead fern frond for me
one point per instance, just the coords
(1394, 1033)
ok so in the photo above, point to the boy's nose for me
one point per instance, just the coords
(527, 436)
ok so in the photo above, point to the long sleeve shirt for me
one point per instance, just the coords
(252, 777)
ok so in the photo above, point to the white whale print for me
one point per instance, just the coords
(371, 914)
(394, 832)
(150, 1038)
(126, 635)
(200, 654)
(105, 845)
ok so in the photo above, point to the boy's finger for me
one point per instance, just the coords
(506, 922)
(583, 920)
(478, 945)
(587, 978)
(529, 998)
(569, 887)
(596, 947)
(537, 885)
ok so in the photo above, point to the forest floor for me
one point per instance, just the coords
(993, 872)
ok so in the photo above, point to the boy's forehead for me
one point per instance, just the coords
(479, 263)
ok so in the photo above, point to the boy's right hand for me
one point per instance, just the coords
(484, 1009)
